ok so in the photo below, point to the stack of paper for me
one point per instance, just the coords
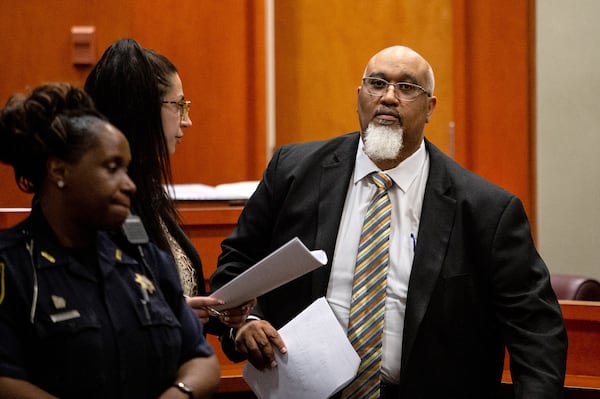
(204, 192)
(319, 362)
(290, 261)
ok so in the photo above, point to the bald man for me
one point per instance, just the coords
(463, 280)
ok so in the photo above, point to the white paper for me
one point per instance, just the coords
(227, 191)
(290, 261)
(319, 362)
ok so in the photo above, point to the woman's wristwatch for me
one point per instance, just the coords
(183, 387)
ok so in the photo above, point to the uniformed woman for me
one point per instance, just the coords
(87, 311)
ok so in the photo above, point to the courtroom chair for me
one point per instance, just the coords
(569, 286)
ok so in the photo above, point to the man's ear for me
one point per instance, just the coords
(431, 106)
(56, 171)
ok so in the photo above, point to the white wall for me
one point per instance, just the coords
(568, 135)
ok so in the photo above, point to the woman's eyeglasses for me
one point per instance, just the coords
(183, 106)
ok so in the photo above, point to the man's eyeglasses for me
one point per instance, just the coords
(183, 106)
(403, 91)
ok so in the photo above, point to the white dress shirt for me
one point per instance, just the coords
(406, 196)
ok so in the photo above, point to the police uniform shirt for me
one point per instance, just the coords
(109, 328)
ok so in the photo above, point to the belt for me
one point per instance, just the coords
(389, 391)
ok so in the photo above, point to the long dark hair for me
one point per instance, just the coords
(127, 85)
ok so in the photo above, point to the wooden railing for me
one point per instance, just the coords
(583, 357)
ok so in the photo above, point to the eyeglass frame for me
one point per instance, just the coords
(396, 85)
(183, 106)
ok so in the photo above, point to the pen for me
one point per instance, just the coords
(414, 241)
(213, 312)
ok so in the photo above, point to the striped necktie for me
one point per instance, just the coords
(365, 326)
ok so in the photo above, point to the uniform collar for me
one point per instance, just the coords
(48, 252)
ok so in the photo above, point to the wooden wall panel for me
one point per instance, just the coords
(322, 48)
(482, 54)
(35, 46)
(217, 46)
(495, 92)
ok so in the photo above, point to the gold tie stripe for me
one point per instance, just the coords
(365, 326)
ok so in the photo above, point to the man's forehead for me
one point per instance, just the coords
(396, 57)
(396, 61)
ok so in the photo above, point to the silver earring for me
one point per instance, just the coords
(60, 183)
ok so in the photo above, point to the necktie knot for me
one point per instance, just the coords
(381, 180)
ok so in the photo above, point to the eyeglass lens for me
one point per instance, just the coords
(402, 90)
(184, 109)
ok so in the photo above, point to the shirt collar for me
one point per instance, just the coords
(403, 175)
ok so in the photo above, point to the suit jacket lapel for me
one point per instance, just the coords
(437, 220)
(336, 172)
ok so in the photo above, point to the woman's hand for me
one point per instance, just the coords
(232, 317)
(202, 306)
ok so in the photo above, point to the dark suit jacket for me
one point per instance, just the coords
(477, 281)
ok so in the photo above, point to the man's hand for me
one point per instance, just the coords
(258, 340)
(236, 317)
